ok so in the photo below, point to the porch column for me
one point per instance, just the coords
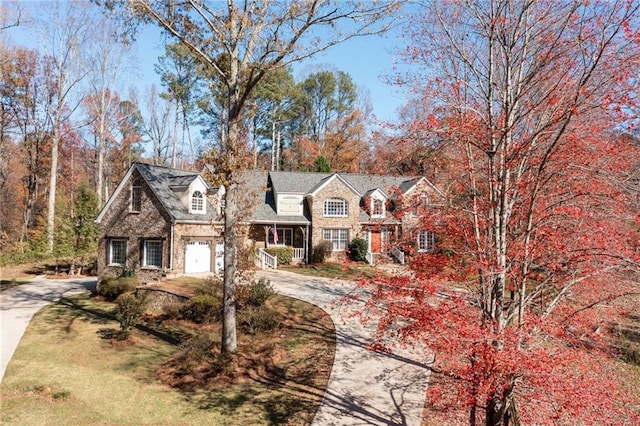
(266, 235)
(306, 244)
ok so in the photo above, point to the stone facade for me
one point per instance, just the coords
(120, 222)
(185, 232)
(337, 189)
(162, 191)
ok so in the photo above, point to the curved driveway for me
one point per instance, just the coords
(365, 387)
(18, 305)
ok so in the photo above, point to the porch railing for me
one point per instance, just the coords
(298, 253)
(369, 258)
(398, 254)
(265, 260)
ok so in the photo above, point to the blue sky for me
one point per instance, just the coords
(367, 59)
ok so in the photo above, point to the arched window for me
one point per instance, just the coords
(197, 201)
(336, 207)
(377, 208)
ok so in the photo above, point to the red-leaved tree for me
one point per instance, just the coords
(537, 243)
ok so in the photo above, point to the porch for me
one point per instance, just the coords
(279, 235)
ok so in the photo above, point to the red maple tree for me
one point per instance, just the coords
(538, 240)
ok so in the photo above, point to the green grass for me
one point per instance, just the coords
(64, 373)
(345, 271)
(6, 284)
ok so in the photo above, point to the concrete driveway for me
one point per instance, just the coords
(365, 387)
(20, 303)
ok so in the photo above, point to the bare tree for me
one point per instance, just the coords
(103, 60)
(63, 33)
(157, 124)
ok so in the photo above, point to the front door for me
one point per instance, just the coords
(376, 241)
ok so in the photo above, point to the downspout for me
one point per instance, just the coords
(171, 249)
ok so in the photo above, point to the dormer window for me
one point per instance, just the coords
(197, 202)
(136, 196)
(377, 207)
(336, 207)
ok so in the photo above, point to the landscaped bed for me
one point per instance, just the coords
(67, 369)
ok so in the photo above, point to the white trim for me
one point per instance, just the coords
(144, 253)
(111, 241)
(329, 180)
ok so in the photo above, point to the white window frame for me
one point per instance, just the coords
(197, 202)
(147, 252)
(376, 202)
(135, 204)
(113, 251)
(339, 237)
(335, 207)
(285, 237)
(426, 241)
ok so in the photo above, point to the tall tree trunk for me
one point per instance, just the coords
(53, 181)
(229, 343)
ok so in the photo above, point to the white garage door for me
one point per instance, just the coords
(197, 257)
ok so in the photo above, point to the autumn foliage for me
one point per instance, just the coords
(537, 251)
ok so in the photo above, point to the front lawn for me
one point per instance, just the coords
(66, 372)
(343, 271)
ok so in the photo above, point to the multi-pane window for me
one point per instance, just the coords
(136, 196)
(197, 201)
(117, 252)
(426, 240)
(338, 237)
(335, 207)
(152, 253)
(377, 208)
(281, 236)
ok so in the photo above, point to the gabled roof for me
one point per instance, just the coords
(309, 182)
(161, 180)
(335, 176)
(264, 204)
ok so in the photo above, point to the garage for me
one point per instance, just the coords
(197, 257)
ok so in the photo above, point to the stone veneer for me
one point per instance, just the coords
(152, 222)
(336, 188)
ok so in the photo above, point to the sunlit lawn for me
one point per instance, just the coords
(64, 373)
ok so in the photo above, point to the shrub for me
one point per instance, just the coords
(322, 251)
(254, 320)
(284, 254)
(128, 311)
(112, 288)
(202, 309)
(259, 292)
(358, 249)
(211, 286)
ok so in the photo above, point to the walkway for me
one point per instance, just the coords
(19, 304)
(365, 387)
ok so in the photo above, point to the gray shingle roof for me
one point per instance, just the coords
(258, 189)
(306, 183)
(162, 179)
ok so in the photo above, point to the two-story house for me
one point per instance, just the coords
(302, 209)
(162, 221)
